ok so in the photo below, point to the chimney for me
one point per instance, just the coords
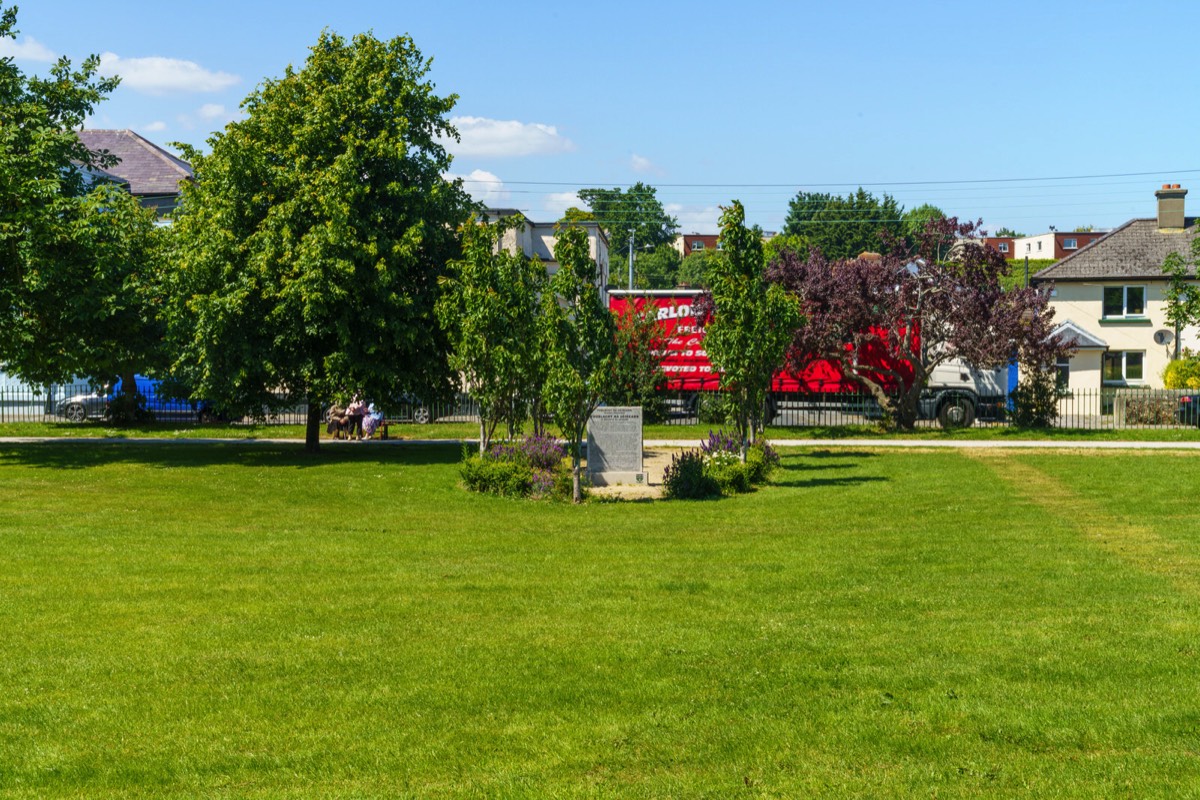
(1170, 206)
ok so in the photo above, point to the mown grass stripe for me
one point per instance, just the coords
(1134, 542)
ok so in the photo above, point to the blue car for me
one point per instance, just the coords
(94, 405)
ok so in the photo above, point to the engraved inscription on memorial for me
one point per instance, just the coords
(615, 445)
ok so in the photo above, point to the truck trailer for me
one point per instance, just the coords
(956, 395)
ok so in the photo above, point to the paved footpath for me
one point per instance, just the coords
(965, 444)
(900, 443)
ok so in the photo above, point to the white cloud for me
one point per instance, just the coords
(495, 137)
(155, 127)
(28, 50)
(557, 203)
(485, 187)
(695, 219)
(156, 75)
(211, 116)
(645, 166)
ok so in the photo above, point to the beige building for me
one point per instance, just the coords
(537, 240)
(1108, 299)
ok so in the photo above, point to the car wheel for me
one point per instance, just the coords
(958, 412)
(75, 412)
(422, 416)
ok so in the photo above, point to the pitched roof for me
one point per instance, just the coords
(146, 167)
(1137, 249)
(1077, 337)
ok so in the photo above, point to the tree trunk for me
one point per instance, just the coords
(576, 484)
(312, 429)
(129, 389)
(905, 410)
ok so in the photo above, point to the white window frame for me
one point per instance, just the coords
(697, 245)
(1070, 244)
(1124, 380)
(1002, 247)
(1062, 372)
(1125, 302)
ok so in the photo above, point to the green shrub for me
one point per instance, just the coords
(1182, 373)
(531, 467)
(1150, 410)
(505, 478)
(1035, 400)
(686, 478)
(731, 475)
(762, 461)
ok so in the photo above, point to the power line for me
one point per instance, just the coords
(590, 184)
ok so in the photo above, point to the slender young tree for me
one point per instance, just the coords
(637, 371)
(1182, 295)
(311, 243)
(748, 322)
(578, 343)
(490, 308)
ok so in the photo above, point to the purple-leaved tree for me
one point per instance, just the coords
(888, 320)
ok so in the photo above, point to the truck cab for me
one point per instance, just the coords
(958, 394)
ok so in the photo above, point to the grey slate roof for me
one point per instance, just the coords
(147, 168)
(1137, 249)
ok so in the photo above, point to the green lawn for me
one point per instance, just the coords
(244, 621)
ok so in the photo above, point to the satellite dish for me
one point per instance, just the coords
(1163, 336)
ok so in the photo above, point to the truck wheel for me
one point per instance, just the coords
(957, 412)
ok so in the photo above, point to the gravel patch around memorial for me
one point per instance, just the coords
(654, 463)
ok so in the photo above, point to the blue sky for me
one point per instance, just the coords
(1025, 114)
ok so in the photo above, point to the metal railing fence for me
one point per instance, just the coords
(1115, 408)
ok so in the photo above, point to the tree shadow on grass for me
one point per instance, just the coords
(796, 471)
(75, 454)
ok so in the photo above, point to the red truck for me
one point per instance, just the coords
(956, 395)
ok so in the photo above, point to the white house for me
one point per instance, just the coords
(1108, 297)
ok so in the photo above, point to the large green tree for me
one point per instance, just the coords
(748, 322)
(845, 227)
(636, 209)
(655, 269)
(78, 256)
(578, 340)
(312, 241)
(490, 310)
(694, 270)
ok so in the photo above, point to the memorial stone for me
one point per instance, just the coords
(614, 452)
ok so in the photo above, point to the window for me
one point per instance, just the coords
(1070, 244)
(1062, 372)
(720, 246)
(1027, 247)
(1122, 367)
(697, 245)
(1003, 247)
(1039, 245)
(1124, 301)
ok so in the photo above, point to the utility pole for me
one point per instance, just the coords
(1026, 272)
(631, 234)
